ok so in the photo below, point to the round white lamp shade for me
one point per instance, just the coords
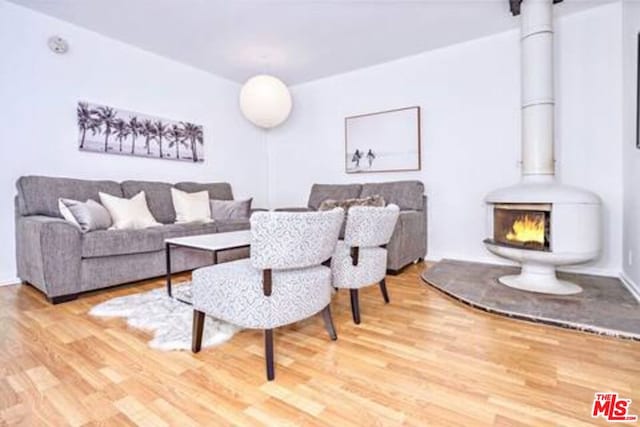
(265, 101)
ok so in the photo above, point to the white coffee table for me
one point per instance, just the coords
(207, 242)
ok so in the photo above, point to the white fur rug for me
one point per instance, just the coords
(170, 320)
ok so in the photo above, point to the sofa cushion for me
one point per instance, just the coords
(124, 242)
(217, 190)
(187, 229)
(158, 198)
(233, 225)
(121, 242)
(406, 194)
(38, 195)
(322, 192)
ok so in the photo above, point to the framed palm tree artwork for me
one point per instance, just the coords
(105, 129)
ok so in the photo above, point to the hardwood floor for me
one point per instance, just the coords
(423, 359)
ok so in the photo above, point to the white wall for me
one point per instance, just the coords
(470, 95)
(631, 155)
(39, 91)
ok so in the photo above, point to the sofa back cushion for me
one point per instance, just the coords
(406, 194)
(158, 198)
(38, 195)
(338, 192)
(217, 190)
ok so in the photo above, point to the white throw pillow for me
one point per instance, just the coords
(191, 207)
(128, 214)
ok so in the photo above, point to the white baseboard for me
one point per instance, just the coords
(630, 285)
(10, 281)
(593, 271)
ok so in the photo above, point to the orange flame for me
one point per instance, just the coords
(527, 229)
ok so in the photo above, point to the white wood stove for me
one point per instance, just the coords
(541, 223)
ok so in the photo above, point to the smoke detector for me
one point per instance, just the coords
(58, 45)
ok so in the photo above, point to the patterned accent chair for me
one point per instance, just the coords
(282, 282)
(361, 258)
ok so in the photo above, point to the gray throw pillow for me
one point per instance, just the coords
(230, 209)
(373, 201)
(89, 215)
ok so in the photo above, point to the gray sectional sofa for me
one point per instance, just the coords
(409, 240)
(55, 257)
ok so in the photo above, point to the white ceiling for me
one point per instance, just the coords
(298, 40)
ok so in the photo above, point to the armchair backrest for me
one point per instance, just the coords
(370, 226)
(283, 240)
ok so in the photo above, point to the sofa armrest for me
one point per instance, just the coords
(294, 209)
(409, 240)
(49, 252)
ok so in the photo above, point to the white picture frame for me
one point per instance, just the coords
(384, 141)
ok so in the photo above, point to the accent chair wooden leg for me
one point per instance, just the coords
(268, 353)
(383, 289)
(198, 329)
(328, 322)
(355, 306)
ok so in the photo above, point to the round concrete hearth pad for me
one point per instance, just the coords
(605, 306)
